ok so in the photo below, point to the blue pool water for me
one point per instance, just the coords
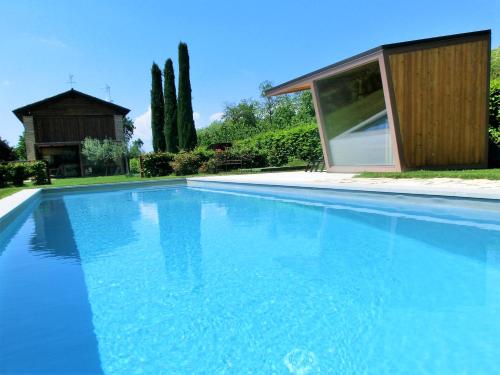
(195, 280)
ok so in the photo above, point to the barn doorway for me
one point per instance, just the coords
(63, 161)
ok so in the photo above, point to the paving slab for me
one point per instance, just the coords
(451, 187)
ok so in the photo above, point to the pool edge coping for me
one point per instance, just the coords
(15, 202)
(492, 197)
(12, 204)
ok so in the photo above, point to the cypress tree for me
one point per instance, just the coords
(157, 109)
(170, 128)
(185, 122)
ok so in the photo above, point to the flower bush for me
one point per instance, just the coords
(186, 162)
(157, 164)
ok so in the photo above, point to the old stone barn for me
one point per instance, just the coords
(55, 127)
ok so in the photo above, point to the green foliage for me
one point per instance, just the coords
(185, 122)
(249, 117)
(495, 136)
(104, 153)
(20, 149)
(204, 154)
(17, 172)
(209, 166)
(6, 152)
(494, 104)
(157, 164)
(494, 121)
(4, 175)
(301, 142)
(136, 148)
(224, 131)
(186, 163)
(244, 113)
(37, 171)
(128, 128)
(249, 154)
(495, 63)
(157, 109)
(170, 97)
(135, 166)
(466, 174)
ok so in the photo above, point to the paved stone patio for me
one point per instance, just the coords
(486, 189)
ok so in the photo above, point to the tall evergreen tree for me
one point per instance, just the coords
(185, 122)
(157, 109)
(170, 96)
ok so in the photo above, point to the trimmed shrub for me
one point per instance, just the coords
(4, 175)
(37, 170)
(186, 162)
(18, 173)
(301, 142)
(204, 154)
(157, 164)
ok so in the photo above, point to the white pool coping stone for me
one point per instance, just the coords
(13, 204)
(10, 205)
(437, 187)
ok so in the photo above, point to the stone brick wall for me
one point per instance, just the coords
(119, 127)
(29, 137)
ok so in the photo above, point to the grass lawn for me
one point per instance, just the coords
(489, 174)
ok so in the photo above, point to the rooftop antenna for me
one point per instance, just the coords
(107, 88)
(70, 81)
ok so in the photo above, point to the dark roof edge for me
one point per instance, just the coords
(381, 48)
(321, 70)
(26, 108)
(442, 38)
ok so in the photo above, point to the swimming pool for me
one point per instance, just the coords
(219, 278)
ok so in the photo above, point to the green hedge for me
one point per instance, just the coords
(187, 162)
(157, 164)
(16, 173)
(275, 148)
(278, 147)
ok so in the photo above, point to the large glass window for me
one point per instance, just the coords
(355, 118)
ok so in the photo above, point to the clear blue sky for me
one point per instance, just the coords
(234, 45)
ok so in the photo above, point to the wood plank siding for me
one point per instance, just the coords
(73, 128)
(441, 99)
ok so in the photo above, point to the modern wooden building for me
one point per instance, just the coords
(410, 105)
(55, 127)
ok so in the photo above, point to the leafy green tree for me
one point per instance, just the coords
(244, 113)
(269, 102)
(495, 63)
(136, 148)
(106, 153)
(185, 122)
(157, 109)
(251, 117)
(128, 128)
(284, 112)
(305, 108)
(6, 152)
(20, 149)
(170, 128)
